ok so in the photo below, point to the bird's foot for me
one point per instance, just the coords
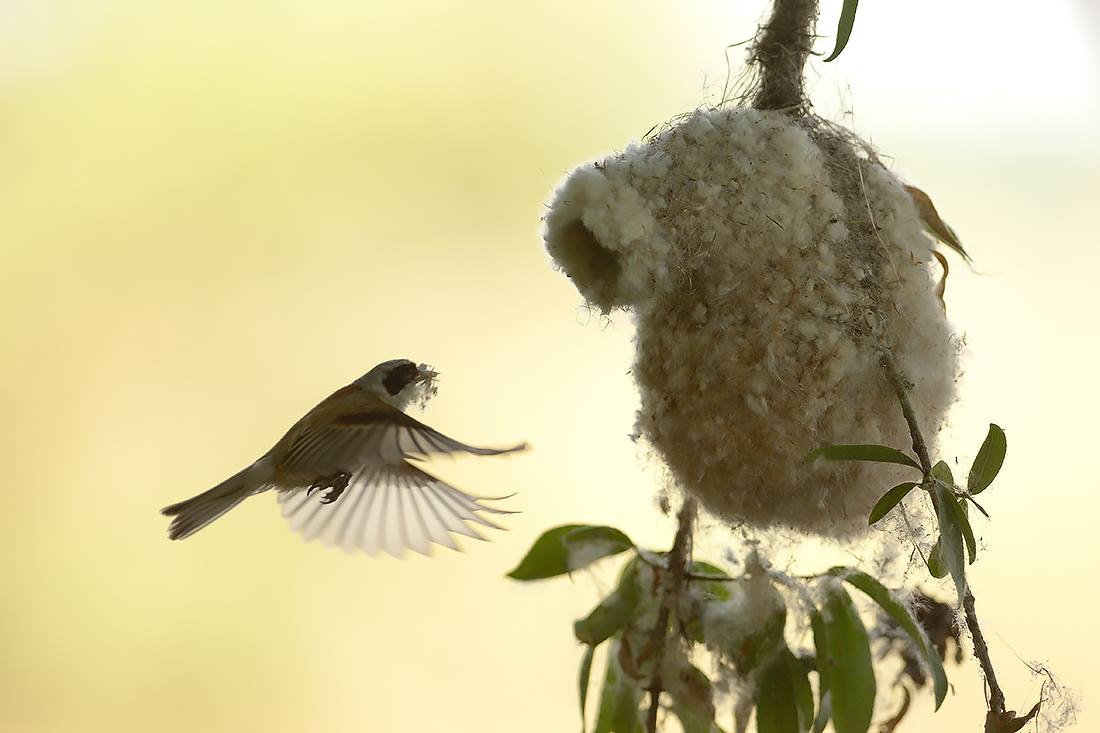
(334, 486)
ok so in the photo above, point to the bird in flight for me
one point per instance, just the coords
(345, 472)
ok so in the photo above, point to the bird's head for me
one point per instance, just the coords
(399, 382)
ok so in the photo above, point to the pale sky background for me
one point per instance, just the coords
(212, 214)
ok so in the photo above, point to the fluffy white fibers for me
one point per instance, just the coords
(766, 263)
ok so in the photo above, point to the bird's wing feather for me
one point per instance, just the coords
(410, 437)
(391, 507)
(365, 437)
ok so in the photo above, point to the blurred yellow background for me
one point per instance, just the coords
(214, 213)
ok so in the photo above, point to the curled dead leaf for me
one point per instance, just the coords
(935, 226)
(941, 288)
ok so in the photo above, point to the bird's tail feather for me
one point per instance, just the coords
(193, 514)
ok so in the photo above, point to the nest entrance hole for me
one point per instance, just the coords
(592, 266)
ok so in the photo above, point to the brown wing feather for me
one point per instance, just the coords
(368, 437)
(413, 438)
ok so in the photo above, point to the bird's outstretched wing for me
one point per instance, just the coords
(369, 437)
(390, 507)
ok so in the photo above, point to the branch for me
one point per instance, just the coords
(901, 389)
(679, 560)
(781, 50)
(981, 651)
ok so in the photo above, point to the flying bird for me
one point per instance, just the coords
(345, 475)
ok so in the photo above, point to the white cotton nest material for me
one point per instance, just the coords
(742, 242)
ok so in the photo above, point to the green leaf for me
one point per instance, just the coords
(775, 703)
(717, 589)
(817, 624)
(803, 694)
(942, 472)
(702, 567)
(824, 703)
(784, 701)
(889, 603)
(874, 453)
(844, 28)
(567, 548)
(614, 612)
(991, 456)
(848, 656)
(967, 531)
(619, 700)
(935, 561)
(824, 711)
(950, 545)
(890, 500)
(582, 682)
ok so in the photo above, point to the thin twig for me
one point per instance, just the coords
(981, 651)
(679, 560)
(901, 389)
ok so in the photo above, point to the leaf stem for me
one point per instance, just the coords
(679, 560)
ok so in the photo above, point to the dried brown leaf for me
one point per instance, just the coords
(941, 288)
(936, 226)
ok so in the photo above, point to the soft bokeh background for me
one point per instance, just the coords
(213, 213)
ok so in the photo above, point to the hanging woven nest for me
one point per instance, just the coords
(768, 258)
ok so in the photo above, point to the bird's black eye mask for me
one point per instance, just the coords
(400, 377)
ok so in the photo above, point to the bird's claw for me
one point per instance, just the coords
(334, 486)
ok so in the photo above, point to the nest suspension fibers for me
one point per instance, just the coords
(767, 259)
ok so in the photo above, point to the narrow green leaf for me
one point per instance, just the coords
(844, 28)
(547, 557)
(963, 518)
(889, 603)
(776, 709)
(803, 694)
(874, 453)
(950, 545)
(784, 702)
(702, 567)
(602, 541)
(848, 655)
(614, 612)
(890, 500)
(942, 472)
(824, 711)
(824, 702)
(935, 562)
(720, 588)
(619, 700)
(991, 456)
(567, 548)
(582, 682)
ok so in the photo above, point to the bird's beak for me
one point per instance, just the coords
(426, 375)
